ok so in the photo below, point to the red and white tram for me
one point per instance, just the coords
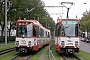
(67, 35)
(31, 36)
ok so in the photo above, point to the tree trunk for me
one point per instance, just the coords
(2, 29)
(10, 29)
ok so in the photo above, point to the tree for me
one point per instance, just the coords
(18, 10)
(85, 20)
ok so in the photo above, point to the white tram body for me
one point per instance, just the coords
(67, 35)
(31, 36)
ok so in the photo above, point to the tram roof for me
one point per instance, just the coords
(35, 22)
(67, 19)
(60, 19)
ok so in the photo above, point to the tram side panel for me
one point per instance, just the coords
(67, 36)
(37, 36)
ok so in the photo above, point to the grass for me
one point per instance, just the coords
(83, 55)
(6, 47)
(55, 53)
(37, 55)
(8, 56)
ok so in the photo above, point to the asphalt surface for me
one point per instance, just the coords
(85, 46)
(3, 44)
(44, 55)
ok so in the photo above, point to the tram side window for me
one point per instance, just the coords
(48, 34)
(37, 31)
(57, 31)
(41, 32)
(76, 30)
(34, 30)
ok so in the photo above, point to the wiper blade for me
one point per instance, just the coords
(67, 36)
(66, 27)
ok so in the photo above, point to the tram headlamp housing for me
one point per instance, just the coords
(29, 43)
(17, 43)
(62, 43)
(76, 43)
(37, 41)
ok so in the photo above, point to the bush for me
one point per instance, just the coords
(2, 39)
(9, 38)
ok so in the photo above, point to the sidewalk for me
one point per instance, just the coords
(3, 44)
(44, 55)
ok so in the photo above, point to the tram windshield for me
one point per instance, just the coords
(70, 28)
(24, 30)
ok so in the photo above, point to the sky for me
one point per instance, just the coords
(76, 9)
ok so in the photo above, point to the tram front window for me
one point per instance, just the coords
(24, 31)
(70, 28)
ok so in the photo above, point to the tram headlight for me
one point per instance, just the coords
(37, 41)
(29, 43)
(62, 43)
(76, 43)
(17, 43)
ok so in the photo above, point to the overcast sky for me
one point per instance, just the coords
(76, 9)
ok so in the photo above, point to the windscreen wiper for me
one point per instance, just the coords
(64, 31)
(67, 36)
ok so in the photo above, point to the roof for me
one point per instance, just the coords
(34, 22)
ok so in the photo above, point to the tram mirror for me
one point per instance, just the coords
(80, 34)
(62, 33)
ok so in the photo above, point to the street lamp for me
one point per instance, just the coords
(85, 4)
(6, 21)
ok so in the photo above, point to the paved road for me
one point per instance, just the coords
(3, 44)
(85, 46)
(44, 55)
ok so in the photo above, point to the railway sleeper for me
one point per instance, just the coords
(69, 50)
(23, 50)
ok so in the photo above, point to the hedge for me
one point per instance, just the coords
(9, 38)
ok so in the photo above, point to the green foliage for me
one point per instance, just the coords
(2, 39)
(3, 46)
(83, 55)
(9, 39)
(9, 55)
(85, 21)
(18, 10)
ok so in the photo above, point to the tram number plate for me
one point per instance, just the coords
(23, 42)
(70, 43)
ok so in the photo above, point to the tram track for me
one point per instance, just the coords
(63, 57)
(22, 56)
(2, 52)
(69, 57)
(75, 57)
(26, 56)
